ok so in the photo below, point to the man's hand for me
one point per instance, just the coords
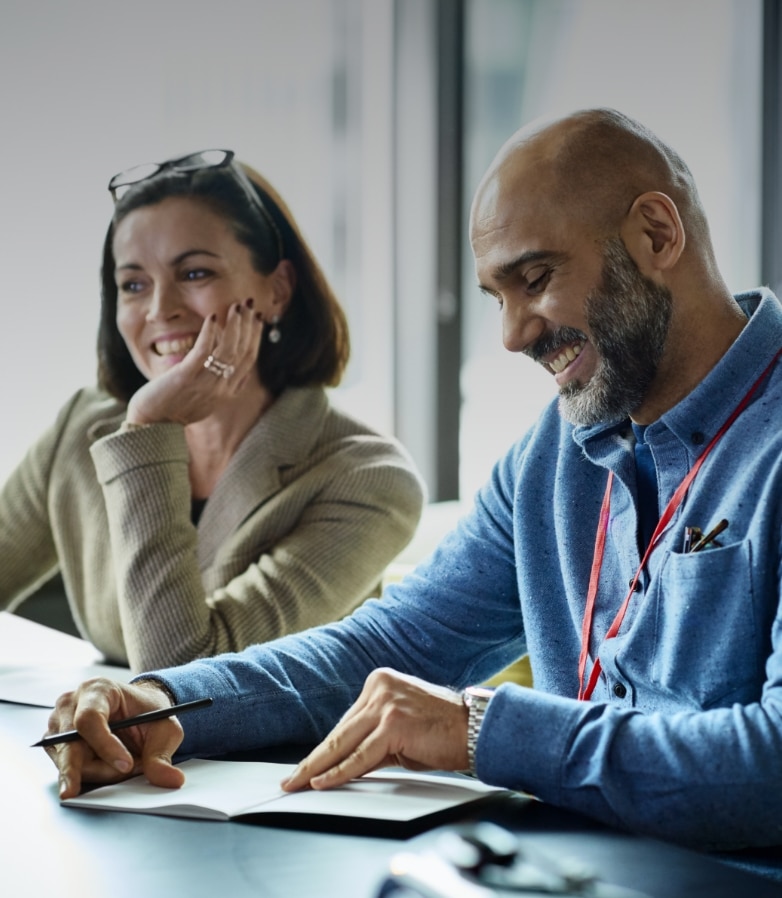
(101, 756)
(397, 720)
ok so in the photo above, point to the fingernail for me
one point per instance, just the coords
(213, 316)
(250, 302)
(63, 785)
(238, 309)
(122, 765)
(291, 776)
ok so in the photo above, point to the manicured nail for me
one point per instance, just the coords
(250, 302)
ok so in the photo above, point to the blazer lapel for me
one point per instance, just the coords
(281, 438)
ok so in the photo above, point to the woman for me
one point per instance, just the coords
(207, 496)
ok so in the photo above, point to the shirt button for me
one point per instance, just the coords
(697, 437)
(620, 690)
(637, 587)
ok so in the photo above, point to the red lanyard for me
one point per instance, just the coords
(602, 528)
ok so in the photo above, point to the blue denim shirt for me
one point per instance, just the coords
(689, 746)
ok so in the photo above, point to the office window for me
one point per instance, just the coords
(340, 104)
(690, 71)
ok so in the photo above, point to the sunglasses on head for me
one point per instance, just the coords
(124, 181)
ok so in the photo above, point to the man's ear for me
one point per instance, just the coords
(283, 284)
(653, 233)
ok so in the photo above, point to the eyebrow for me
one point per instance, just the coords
(505, 269)
(134, 266)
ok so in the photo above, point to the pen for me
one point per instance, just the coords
(147, 717)
(690, 534)
(705, 540)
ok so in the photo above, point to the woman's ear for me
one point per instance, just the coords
(653, 233)
(283, 280)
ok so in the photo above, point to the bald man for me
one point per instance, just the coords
(630, 541)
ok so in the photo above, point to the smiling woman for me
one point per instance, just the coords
(206, 496)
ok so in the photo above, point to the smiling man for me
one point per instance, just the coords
(572, 216)
(655, 646)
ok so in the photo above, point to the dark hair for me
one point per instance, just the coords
(315, 346)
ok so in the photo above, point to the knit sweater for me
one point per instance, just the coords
(682, 736)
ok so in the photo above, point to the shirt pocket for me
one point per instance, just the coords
(706, 645)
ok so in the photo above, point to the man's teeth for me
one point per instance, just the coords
(179, 346)
(565, 358)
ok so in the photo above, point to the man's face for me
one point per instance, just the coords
(627, 319)
(576, 304)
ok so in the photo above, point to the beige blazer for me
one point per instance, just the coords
(297, 532)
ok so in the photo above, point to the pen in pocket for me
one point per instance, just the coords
(704, 541)
(691, 535)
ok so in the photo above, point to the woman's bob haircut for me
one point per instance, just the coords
(315, 345)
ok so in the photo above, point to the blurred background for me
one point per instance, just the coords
(375, 119)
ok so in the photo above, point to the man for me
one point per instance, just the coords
(654, 647)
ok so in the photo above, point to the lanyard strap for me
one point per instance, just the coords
(585, 693)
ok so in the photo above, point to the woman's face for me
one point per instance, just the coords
(177, 263)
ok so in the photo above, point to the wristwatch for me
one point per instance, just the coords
(476, 698)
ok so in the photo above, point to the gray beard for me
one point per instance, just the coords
(628, 318)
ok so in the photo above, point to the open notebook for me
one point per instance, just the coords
(398, 801)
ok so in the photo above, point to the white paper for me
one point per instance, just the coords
(220, 790)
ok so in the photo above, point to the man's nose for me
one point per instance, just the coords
(521, 326)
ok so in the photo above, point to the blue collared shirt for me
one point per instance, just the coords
(683, 735)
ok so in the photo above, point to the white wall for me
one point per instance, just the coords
(90, 87)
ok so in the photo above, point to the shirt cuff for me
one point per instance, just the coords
(524, 740)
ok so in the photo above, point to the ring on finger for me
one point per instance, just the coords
(218, 368)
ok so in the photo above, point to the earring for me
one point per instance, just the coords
(274, 334)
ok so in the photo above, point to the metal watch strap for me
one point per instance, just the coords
(476, 698)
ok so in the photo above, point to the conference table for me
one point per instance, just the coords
(50, 851)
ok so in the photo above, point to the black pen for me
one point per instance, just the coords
(147, 717)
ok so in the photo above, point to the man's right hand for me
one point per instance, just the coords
(101, 756)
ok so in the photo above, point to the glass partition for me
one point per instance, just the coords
(689, 70)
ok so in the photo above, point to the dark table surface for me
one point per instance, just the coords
(47, 850)
(54, 852)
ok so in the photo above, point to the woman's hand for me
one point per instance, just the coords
(397, 720)
(101, 756)
(190, 392)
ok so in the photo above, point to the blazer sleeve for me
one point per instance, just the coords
(28, 553)
(359, 508)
